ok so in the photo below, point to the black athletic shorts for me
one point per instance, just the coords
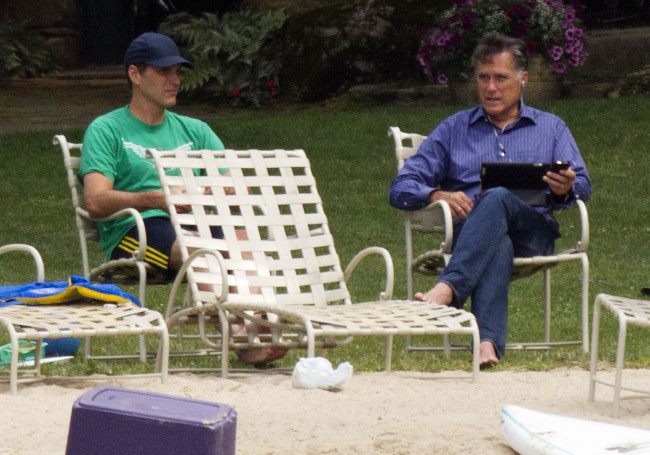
(160, 238)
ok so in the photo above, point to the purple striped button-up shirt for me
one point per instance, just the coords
(450, 158)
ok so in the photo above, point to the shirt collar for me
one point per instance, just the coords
(527, 114)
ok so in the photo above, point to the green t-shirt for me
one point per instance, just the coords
(115, 145)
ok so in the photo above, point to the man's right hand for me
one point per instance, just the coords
(459, 204)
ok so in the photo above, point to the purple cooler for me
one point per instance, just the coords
(110, 420)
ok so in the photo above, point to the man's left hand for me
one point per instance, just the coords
(560, 183)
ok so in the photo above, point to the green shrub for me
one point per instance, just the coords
(236, 57)
(24, 53)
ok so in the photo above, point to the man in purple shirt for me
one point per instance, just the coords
(493, 227)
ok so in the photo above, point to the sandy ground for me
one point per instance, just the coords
(378, 413)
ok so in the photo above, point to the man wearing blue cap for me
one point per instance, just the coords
(115, 171)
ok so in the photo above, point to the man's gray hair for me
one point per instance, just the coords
(494, 43)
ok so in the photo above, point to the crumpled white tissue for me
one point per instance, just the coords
(317, 372)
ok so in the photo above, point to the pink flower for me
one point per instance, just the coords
(235, 91)
(442, 79)
(272, 86)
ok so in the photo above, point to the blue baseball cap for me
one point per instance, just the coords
(154, 49)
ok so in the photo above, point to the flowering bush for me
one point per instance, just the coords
(550, 28)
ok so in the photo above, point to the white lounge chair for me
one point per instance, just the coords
(79, 320)
(284, 278)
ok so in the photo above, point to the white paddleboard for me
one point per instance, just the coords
(531, 432)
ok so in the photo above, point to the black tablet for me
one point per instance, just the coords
(523, 179)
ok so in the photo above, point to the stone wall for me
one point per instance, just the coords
(613, 54)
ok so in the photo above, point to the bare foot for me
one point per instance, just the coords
(441, 294)
(256, 356)
(260, 356)
(487, 356)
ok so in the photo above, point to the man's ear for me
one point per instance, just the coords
(134, 73)
(524, 79)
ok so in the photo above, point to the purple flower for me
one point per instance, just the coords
(443, 40)
(559, 68)
(574, 60)
(569, 33)
(444, 49)
(570, 15)
(466, 18)
(555, 52)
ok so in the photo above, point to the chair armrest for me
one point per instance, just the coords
(139, 254)
(182, 272)
(446, 226)
(38, 261)
(583, 243)
(387, 294)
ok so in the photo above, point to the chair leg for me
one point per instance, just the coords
(594, 350)
(446, 346)
(162, 357)
(13, 377)
(389, 353)
(225, 343)
(476, 350)
(547, 305)
(409, 273)
(142, 295)
(620, 356)
(585, 304)
(87, 342)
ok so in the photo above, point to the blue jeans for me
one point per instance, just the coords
(499, 227)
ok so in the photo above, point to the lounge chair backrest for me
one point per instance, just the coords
(270, 196)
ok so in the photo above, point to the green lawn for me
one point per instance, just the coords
(353, 161)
